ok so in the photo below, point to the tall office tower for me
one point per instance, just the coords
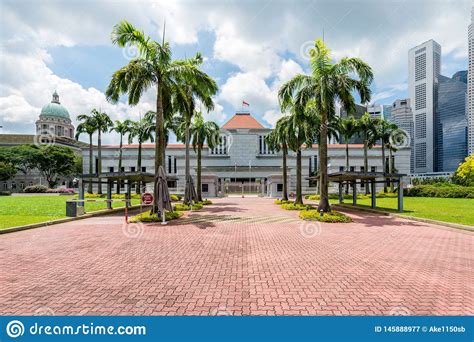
(387, 112)
(402, 116)
(375, 111)
(470, 88)
(424, 63)
(450, 122)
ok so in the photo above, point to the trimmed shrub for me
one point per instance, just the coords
(293, 206)
(278, 201)
(206, 202)
(5, 193)
(61, 191)
(331, 217)
(35, 189)
(148, 217)
(184, 207)
(312, 197)
(175, 198)
(444, 191)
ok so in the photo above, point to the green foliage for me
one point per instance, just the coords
(149, 217)
(445, 191)
(206, 202)
(431, 181)
(464, 175)
(184, 207)
(7, 171)
(331, 217)
(293, 206)
(35, 189)
(278, 201)
(312, 197)
(5, 193)
(114, 196)
(175, 198)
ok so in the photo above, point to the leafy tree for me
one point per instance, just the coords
(201, 132)
(368, 126)
(385, 129)
(347, 128)
(328, 81)
(87, 126)
(53, 162)
(464, 175)
(7, 171)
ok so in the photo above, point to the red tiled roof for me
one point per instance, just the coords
(344, 146)
(177, 146)
(242, 120)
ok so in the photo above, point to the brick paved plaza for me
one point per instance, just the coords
(238, 257)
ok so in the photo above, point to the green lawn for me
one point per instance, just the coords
(21, 210)
(454, 210)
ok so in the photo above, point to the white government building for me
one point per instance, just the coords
(242, 163)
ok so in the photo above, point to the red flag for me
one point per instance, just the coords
(246, 104)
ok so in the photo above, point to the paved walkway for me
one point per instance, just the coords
(238, 257)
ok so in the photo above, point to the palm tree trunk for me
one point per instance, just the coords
(366, 163)
(187, 166)
(390, 168)
(89, 187)
(299, 196)
(139, 165)
(285, 182)
(99, 171)
(199, 193)
(323, 165)
(347, 164)
(383, 168)
(120, 162)
(159, 144)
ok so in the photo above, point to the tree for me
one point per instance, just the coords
(277, 140)
(200, 87)
(347, 128)
(7, 171)
(201, 132)
(53, 162)
(153, 67)
(327, 82)
(385, 129)
(368, 126)
(464, 175)
(103, 124)
(87, 126)
(21, 157)
(143, 131)
(122, 128)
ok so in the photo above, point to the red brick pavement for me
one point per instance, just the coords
(250, 258)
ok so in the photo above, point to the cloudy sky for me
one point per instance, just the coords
(250, 48)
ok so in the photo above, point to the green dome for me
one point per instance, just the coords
(55, 108)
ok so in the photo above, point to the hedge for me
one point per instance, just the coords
(35, 189)
(331, 217)
(444, 191)
(293, 206)
(184, 207)
(148, 217)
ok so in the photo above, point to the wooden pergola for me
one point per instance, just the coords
(354, 177)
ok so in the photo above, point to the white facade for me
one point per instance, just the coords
(375, 111)
(424, 63)
(243, 163)
(470, 88)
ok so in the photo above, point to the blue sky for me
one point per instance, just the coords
(250, 48)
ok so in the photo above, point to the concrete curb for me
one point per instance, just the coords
(67, 219)
(412, 218)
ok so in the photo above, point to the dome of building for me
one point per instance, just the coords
(55, 108)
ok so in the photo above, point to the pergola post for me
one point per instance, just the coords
(400, 196)
(341, 198)
(354, 193)
(109, 194)
(129, 193)
(373, 191)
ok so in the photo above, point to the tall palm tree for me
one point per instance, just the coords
(368, 126)
(201, 132)
(153, 67)
(189, 90)
(122, 128)
(87, 126)
(143, 131)
(277, 140)
(327, 82)
(102, 125)
(384, 132)
(347, 128)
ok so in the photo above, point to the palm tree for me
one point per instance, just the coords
(347, 128)
(102, 125)
(200, 132)
(327, 82)
(201, 87)
(278, 140)
(384, 132)
(153, 67)
(122, 128)
(143, 131)
(87, 126)
(368, 126)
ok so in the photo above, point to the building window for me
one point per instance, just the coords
(420, 67)
(143, 168)
(205, 187)
(420, 96)
(13, 186)
(171, 164)
(122, 169)
(341, 168)
(263, 147)
(420, 126)
(420, 155)
(111, 169)
(171, 184)
(222, 146)
(22, 185)
(5, 186)
(132, 168)
(373, 169)
(279, 187)
(352, 168)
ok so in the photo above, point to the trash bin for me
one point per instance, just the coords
(73, 210)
